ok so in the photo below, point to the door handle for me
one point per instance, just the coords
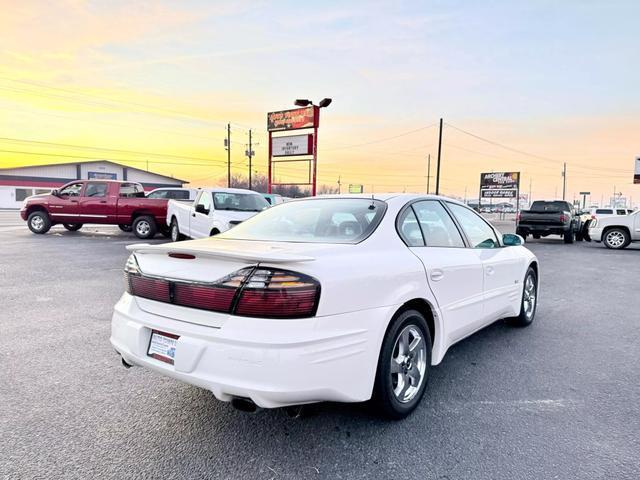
(490, 270)
(103, 201)
(193, 215)
(437, 275)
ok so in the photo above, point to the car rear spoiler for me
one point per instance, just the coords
(248, 256)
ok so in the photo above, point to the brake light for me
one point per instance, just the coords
(278, 294)
(253, 291)
(563, 218)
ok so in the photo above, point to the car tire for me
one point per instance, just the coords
(125, 228)
(214, 232)
(536, 236)
(568, 236)
(165, 231)
(39, 222)
(174, 230)
(529, 303)
(400, 364)
(144, 227)
(616, 238)
(72, 227)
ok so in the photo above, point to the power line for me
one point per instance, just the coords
(386, 139)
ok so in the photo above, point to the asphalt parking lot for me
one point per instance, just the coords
(557, 400)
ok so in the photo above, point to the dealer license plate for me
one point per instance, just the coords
(162, 346)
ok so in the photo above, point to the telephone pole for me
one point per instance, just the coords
(428, 172)
(228, 145)
(250, 152)
(339, 185)
(564, 181)
(530, 183)
(439, 155)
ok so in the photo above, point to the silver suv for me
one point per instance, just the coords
(616, 232)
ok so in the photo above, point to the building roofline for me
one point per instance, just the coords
(94, 161)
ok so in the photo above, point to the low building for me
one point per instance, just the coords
(18, 183)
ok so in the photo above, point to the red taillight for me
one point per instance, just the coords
(152, 288)
(206, 297)
(563, 218)
(253, 292)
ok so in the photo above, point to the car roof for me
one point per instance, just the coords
(385, 197)
(229, 190)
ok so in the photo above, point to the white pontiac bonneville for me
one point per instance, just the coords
(338, 298)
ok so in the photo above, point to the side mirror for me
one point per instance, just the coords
(55, 192)
(200, 209)
(512, 240)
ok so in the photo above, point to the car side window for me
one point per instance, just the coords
(131, 190)
(178, 194)
(478, 231)
(158, 194)
(438, 228)
(204, 202)
(96, 190)
(409, 228)
(622, 212)
(72, 190)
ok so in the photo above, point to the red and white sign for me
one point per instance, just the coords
(292, 145)
(295, 119)
(636, 175)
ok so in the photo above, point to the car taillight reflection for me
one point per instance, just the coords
(253, 292)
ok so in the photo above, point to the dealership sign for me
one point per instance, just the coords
(636, 175)
(295, 119)
(356, 188)
(499, 185)
(292, 145)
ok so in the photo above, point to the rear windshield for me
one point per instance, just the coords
(325, 220)
(549, 206)
(239, 202)
(604, 211)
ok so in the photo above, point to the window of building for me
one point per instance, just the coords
(23, 193)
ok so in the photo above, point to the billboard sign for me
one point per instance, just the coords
(102, 176)
(636, 175)
(353, 188)
(292, 145)
(295, 119)
(499, 185)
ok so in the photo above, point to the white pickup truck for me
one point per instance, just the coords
(214, 211)
(616, 232)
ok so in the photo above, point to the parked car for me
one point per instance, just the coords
(174, 193)
(213, 211)
(555, 217)
(336, 298)
(616, 232)
(108, 202)
(273, 198)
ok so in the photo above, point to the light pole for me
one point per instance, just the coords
(303, 102)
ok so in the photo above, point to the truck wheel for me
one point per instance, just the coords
(568, 236)
(616, 239)
(585, 231)
(144, 227)
(39, 222)
(536, 236)
(72, 227)
(529, 301)
(176, 236)
(125, 228)
(403, 366)
(165, 231)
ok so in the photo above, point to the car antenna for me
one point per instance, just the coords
(372, 206)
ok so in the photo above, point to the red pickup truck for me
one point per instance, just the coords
(97, 201)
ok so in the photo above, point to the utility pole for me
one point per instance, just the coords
(564, 181)
(428, 172)
(250, 156)
(439, 156)
(228, 145)
(530, 183)
(339, 185)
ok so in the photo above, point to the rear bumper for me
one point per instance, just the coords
(544, 229)
(275, 363)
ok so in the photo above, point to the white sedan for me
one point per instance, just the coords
(341, 298)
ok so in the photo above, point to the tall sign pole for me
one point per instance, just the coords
(439, 155)
(564, 181)
(316, 111)
(428, 172)
(270, 166)
(250, 155)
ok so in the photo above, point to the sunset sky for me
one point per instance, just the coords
(158, 81)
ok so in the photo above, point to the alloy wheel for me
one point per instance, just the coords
(529, 298)
(143, 228)
(37, 222)
(615, 239)
(408, 363)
